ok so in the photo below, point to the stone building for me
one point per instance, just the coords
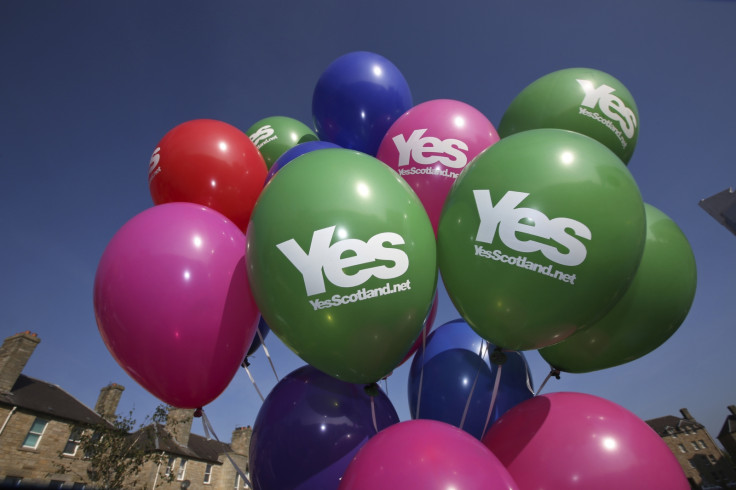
(40, 425)
(727, 435)
(700, 458)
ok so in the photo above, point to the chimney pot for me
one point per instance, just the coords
(732, 409)
(686, 414)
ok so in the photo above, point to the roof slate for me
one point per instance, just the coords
(49, 399)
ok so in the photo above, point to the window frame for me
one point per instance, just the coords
(181, 471)
(31, 432)
(207, 474)
(75, 437)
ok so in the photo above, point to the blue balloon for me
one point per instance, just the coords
(449, 366)
(357, 99)
(263, 330)
(309, 428)
(297, 151)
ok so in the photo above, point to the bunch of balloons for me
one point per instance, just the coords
(334, 238)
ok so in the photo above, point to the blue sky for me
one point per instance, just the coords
(88, 89)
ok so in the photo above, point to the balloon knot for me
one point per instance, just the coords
(245, 363)
(555, 373)
(198, 412)
(371, 389)
(498, 357)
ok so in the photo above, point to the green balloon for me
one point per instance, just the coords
(274, 135)
(583, 100)
(653, 308)
(342, 263)
(540, 236)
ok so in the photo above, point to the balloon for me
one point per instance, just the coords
(211, 163)
(431, 143)
(275, 135)
(653, 308)
(583, 100)
(451, 369)
(356, 100)
(259, 337)
(574, 440)
(530, 245)
(426, 328)
(347, 277)
(173, 304)
(425, 455)
(296, 151)
(309, 428)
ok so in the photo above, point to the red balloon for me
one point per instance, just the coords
(574, 440)
(208, 162)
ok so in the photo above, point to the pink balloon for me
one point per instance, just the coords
(425, 455)
(173, 303)
(575, 440)
(430, 144)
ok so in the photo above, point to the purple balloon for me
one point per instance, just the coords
(309, 428)
(173, 303)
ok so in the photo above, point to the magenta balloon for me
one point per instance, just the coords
(430, 144)
(574, 440)
(425, 455)
(173, 304)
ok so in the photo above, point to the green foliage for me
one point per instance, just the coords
(116, 453)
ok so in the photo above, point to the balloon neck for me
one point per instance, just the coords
(371, 389)
(498, 357)
(198, 412)
(245, 363)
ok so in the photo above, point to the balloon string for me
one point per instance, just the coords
(496, 384)
(385, 385)
(245, 366)
(208, 425)
(472, 388)
(527, 371)
(268, 356)
(373, 413)
(421, 371)
(553, 372)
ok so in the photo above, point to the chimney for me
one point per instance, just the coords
(732, 409)
(14, 354)
(107, 402)
(179, 424)
(241, 440)
(686, 414)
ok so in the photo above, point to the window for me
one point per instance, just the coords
(12, 481)
(682, 448)
(78, 486)
(56, 484)
(712, 459)
(695, 445)
(702, 444)
(73, 443)
(35, 433)
(208, 473)
(170, 466)
(692, 465)
(237, 481)
(182, 469)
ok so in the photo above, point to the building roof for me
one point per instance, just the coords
(661, 424)
(199, 447)
(48, 399)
